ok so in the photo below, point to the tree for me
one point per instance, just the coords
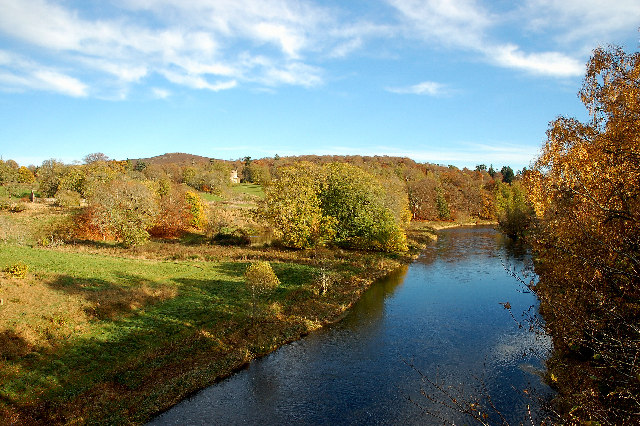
(25, 175)
(292, 207)
(126, 210)
(8, 173)
(246, 170)
(507, 174)
(585, 192)
(356, 201)
(49, 175)
(96, 156)
(512, 210)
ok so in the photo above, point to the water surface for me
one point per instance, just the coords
(439, 321)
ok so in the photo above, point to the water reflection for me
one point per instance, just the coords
(442, 315)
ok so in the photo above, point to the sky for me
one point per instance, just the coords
(461, 82)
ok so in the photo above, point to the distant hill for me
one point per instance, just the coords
(173, 158)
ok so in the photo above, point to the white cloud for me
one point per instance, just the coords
(184, 41)
(198, 82)
(430, 88)
(547, 63)
(159, 93)
(469, 25)
(460, 23)
(57, 82)
(585, 22)
(283, 42)
(20, 74)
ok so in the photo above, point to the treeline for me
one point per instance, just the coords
(381, 193)
(434, 192)
(584, 226)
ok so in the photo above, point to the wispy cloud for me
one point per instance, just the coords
(20, 74)
(159, 93)
(430, 88)
(584, 23)
(187, 42)
(466, 24)
(223, 44)
(546, 63)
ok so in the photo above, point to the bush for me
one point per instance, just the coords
(67, 198)
(126, 210)
(17, 270)
(175, 215)
(260, 277)
(197, 209)
(232, 237)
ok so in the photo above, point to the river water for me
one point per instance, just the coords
(427, 333)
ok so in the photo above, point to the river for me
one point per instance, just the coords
(440, 321)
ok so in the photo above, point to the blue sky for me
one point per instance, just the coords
(460, 82)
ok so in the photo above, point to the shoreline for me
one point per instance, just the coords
(148, 382)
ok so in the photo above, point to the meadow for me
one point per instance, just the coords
(99, 333)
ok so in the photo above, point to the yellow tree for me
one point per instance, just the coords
(585, 189)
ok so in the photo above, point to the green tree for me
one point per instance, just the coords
(507, 174)
(442, 206)
(292, 207)
(49, 175)
(356, 201)
(8, 174)
(512, 209)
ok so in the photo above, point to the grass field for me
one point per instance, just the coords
(249, 189)
(97, 333)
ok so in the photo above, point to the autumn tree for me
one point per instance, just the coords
(292, 207)
(586, 194)
(25, 175)
(126, 210)
(8, 173)
(49, 175)
(94, 157)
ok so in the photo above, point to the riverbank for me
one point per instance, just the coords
(98, 333)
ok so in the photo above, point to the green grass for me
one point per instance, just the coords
(97, 333)
(207, 196)
(249, 189)
(108, 339)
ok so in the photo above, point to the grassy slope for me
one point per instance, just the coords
(99, 336)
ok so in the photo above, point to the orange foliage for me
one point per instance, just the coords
(585, 189)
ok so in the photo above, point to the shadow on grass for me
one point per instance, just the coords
(125, 353)
(110, 300)
(149, 344)
(13, 346)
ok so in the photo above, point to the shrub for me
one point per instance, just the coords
(126, 209)
(67, 198)
(260, 279)
(17, 270)
(197, 209)
(174, 216)
(232, 237)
